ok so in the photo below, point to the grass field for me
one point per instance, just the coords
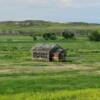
(21, 78)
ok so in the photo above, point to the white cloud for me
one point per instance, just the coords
(86, 3)
(23, 2)
(63, 3)
(76, 3)
(50, 3)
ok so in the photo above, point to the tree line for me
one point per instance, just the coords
(93, 36)
(66, 34)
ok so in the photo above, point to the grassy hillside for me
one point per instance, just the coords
(39, 27)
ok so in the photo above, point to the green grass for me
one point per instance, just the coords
(42, 28)
(68, 80)
(21, 78)
(18, 50)
(70, 85)
(88, 94)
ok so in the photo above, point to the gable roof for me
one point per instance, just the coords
(45, 47)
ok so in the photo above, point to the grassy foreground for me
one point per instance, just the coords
(88, 94)
(65, 85)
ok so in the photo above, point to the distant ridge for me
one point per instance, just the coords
(82, 23)
(39, 22)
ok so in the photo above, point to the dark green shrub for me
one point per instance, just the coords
(68, 35)
(94, 36)
(53, 36)
(49, 36)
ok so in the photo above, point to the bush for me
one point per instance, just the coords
(49, 36)
(53, 36)
(68, 35)
(94, 36)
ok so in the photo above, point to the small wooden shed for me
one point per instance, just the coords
(48, 52)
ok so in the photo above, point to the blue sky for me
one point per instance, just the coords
(52, 10)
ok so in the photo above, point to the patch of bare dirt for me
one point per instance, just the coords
(43, 69)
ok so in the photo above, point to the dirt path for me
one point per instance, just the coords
(43, 69)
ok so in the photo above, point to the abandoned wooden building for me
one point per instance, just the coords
(48, 52)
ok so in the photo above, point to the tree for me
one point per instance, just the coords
(48, 36)
(68, 35)
(94, 36)
(53, 36)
